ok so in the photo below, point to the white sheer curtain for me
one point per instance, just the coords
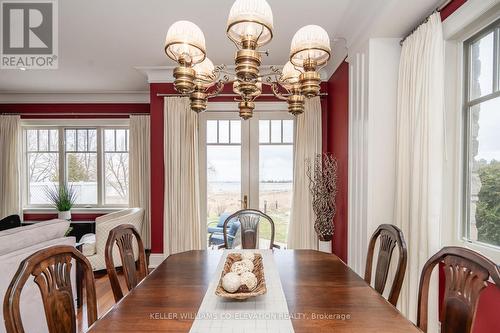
(182, 224)
(139, 171)
(301, 233)
(10, 165)
(420, 154)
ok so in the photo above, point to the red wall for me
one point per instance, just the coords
(487, 311)
(92, 110)
(337, 142)
(450, 8)
(157, 173)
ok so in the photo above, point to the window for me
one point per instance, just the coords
(94, 160)
(42, 163)
(276, 172)
(116, 166)
(81, 163)
(482, 143)
(247, 164)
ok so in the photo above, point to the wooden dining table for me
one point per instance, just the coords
(323, 295)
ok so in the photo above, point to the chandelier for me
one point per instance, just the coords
(249, 27)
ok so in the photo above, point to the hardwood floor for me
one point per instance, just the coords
(105, 299)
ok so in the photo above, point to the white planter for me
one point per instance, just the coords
(66, 215)
(325, 246)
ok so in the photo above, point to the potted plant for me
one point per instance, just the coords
(322, 174)
(63, 198)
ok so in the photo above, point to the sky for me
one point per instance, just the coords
(275, 161)
(489, 111)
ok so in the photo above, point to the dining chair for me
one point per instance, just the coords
(390, 236)
(51, 270)
(123, 236)
(466, 275)
(249, 220)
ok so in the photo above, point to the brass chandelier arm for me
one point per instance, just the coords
(276, 92)
(219, 87)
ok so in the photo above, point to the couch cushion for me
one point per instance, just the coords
(22, 237)
(222, 219)
(88, 247)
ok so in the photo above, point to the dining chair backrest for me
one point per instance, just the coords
(123, 236)
(249, 220)
(390, 236)
(51, 270)
(466, 274)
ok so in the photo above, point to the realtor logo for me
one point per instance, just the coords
(29, 34)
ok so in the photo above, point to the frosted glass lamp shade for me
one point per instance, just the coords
(250, 19)
(289, 75)
(310, 43)
(186, 41)
(205, 71)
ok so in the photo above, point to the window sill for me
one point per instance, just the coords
(77, 210)
(491, 252)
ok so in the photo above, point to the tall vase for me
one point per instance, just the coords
(66, 215)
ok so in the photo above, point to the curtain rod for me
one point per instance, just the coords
(228, 95)
(437, 10)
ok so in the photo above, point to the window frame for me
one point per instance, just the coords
(61, 125)
(467, 105)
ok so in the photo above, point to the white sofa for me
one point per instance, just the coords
(15, 245)
(94, 244)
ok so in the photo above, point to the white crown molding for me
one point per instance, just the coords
(75, 97)
(157, 74)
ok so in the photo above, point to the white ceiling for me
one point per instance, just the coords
(102, 42)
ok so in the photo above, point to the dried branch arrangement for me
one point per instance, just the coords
(322, 174)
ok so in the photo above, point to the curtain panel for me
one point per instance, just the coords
(183, 229)
(10, 165)
(420, 155)
(301, 234)
(139, 173)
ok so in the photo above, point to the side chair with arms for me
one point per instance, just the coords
(390, 236)
(95, 244)
(249, 220)
(51, 270)
(466, 275)
(123, 237)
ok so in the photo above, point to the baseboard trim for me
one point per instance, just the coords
(155, 259)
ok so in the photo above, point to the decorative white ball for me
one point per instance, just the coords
(248, 255)
(239, 267)
(231, 282)
(249, 279)
(248, 263)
